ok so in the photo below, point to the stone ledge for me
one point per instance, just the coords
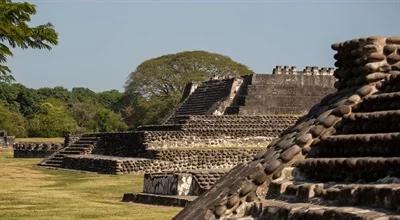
(153, 199)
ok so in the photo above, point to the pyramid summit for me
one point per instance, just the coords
(340, 161)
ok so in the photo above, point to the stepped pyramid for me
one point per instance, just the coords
(340, 161)
(217, 125)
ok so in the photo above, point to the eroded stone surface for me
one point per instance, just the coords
(347, 119)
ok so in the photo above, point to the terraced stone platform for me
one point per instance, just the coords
(35, 150)
(340, 161)
(197, 142)
(154, 199)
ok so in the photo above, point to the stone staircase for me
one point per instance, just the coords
(84, 145)
(203, 99)
(353, 174)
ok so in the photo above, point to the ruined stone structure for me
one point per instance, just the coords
(35, 150)
(5, 140)
(203, 131)
(41, 149)
(340, 161)
(267, 94)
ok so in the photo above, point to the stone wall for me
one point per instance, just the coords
(190, 182)
(118, 143)
(180, 139)
(285, 93)
(6, 141)
(70, 139)
(212, 158)
(35, 150)
(216, 131)
(308, 70)
(162, 160)
(115, 165)
(169, 184)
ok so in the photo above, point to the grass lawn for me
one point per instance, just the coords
(47, 140)
(31, 192)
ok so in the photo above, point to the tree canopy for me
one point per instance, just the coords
(52, 120)
(31, 112)
(156, 85)
(16, 32)
(13, 122)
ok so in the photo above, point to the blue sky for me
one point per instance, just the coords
(101, 42)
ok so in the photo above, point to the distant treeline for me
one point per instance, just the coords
(151, 92)
(52, 112)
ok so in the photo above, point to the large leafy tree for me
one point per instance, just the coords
(52, 120)
(159, 82)
(16, 32)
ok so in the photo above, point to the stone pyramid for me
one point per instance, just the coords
(340, 161)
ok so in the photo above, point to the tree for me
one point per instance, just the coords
(110, 99)
(52, 120)
(13, 122)
(157, 84)
(57, 92)
(15, 32)
(168, 75)
(108, 121)
(80, 94)
(84, 114)
(20, 99)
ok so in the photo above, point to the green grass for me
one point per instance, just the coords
(31, 192)
(46, 140)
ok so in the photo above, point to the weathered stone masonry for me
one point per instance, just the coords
(199, 134)
(338, 162)
(35, 150)
(202, 142)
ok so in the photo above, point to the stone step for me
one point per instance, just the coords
(88, 138)
(72, 151)
(358, 145)
(385, 196)
(194, 109)
(81, 145)
(193, 106)
(379, 102)
(367, 169)
(156, 199)
(196, 104)
(208, 95)
(52, 163)
(279, 210)
(81, 148)
(371, 122)
(191, 112)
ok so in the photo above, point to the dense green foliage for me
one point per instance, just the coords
(13, 122)
(152, 91)
(156, 85)
(15, 32)
(52, 120)
(51, 112)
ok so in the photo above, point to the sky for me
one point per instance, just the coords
(101, 42)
